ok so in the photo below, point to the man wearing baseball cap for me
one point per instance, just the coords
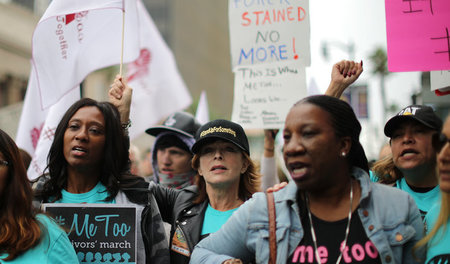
(171, 155)
(414, 140)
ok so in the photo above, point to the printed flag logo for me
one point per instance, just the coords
(35, 133)
(140, 67)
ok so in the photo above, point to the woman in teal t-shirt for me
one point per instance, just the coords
(438, 218)
(25, 237)
(88, 163)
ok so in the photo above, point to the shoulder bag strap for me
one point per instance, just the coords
(272, 228)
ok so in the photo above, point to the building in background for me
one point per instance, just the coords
(198, 34)
(196, 31)
(18, 20)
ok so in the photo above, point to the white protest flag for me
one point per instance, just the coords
(55, 113)
(202, 113)
(74, 38)
(32, 117)
(158, 89)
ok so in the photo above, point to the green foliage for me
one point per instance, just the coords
(379, 60)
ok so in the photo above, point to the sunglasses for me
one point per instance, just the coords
(441, 140)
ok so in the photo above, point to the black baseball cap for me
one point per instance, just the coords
(420, 113)
(180, 122)
(224, 130)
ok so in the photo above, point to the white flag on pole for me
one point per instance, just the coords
(32, 117)
(74, 38)
(55, 113)
(158, 89)
(202, 113)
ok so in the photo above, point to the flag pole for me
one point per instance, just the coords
(123, 32)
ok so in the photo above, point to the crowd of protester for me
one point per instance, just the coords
(201, 183)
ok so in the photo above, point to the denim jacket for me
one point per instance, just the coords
(389, 216)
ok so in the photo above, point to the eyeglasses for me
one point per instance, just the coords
(4, 163)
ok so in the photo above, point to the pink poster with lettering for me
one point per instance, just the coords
(418, 35)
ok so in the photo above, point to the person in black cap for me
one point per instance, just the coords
(330, 212)
(171, 155)
(414, 140)
(226, 178)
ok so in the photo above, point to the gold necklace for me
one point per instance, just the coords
(347, 229)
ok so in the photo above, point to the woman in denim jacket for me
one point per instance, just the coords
(330, 204)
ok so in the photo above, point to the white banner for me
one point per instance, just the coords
(74, 38)
(269, 31)
(264, 94)
(158, 89)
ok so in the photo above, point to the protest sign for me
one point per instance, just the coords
(440, 82)
(418, 35)
(269, 31)
(100, 233)
(264, 94)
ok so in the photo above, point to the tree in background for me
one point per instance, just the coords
(378, 58)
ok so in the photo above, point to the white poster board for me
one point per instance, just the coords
(264, 94)
(269, 31)
(440, 80)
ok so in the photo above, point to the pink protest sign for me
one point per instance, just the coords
(418, 35)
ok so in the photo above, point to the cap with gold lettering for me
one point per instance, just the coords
(224, 130)
(420, 113)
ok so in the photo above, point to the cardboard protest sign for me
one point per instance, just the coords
(264, 94)
(440, 82)
(100, 233)
(269, 31)
(418, 35)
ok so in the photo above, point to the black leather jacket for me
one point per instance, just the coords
(177, 209)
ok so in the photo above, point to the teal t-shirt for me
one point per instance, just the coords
(55, 247)
(97, 195)
(423, 200)
(439, 246)
(373, 177)
(215, 219)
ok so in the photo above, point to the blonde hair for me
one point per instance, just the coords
(386, 170)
